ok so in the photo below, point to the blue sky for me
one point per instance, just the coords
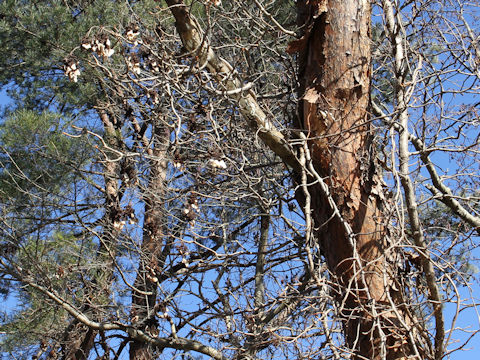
(468, 319)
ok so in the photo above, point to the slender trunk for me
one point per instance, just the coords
(334, 68)
(151, 261)
(255, 341)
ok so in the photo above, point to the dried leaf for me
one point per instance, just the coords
(311, 96)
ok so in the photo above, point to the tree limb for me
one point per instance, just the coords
(194, 41)
(396, 34)
(442, 192)
(173, 343)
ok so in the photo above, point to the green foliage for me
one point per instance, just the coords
(36, 36)
(443, 230)
(38, 168)
(65, 225)
(38, 163)
(61, 261)
(35, 156)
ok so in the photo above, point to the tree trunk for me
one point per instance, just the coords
(345, 196)
(153, 256)
(334, 70)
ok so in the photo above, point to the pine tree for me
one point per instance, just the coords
(236, 180)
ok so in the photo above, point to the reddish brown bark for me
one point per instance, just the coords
(334, 69)
(334, 73)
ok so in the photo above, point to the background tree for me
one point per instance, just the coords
(238, 180)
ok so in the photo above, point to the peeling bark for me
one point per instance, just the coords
(334, 69)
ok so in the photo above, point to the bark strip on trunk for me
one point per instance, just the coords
(334, 69)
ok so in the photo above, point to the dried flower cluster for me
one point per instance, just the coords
(122, 216)
(100, 44)
(71, 69)
(191, 209)
(133, 63)
(151, 275)
(220, 251)
(131, 33)
(217, 164)
(214, 2)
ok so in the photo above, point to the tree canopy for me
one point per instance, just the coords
(239, 179)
